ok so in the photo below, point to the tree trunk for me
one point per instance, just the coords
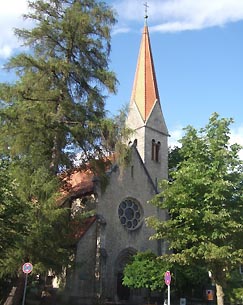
(219, 294)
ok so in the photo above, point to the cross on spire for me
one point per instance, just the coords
(146, 11)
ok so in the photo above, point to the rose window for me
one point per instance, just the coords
(130, 213)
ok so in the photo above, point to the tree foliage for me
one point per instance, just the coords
(145, 271)
(13, 223)
(54, 110)
(205, 202)
(36, 231)
(174, 158)
(56, 106)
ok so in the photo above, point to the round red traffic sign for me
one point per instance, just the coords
(167, 278)
(27, 267)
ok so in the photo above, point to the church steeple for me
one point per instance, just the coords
(145, 91)
(145, 114)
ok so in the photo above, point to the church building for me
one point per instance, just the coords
(118, 229)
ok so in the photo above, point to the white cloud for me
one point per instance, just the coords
(164, 16)
(180, 15)
(175, 135)
(11, 12)
(5, 51)
(120, 30)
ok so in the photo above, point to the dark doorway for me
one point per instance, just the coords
(123, 292)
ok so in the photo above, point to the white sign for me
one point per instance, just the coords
(27, 268)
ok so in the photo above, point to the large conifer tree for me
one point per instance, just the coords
(53, 110)
(56, 105)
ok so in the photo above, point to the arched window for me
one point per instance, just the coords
(155, 151)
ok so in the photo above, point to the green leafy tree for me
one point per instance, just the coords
(56, 107)
(205, 203)
(13, 211)
(54, 110)
(234, 289)
(115, 135)
(174, 158)
(145, 271)
(37, 231)
(13, 226)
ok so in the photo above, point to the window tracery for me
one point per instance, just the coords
(130, 213)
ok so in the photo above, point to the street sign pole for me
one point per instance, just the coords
(167, 282)
(25, 285)
(27, 268)
(168, 294)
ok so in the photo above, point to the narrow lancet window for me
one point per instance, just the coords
(155, 151)
(132, 171)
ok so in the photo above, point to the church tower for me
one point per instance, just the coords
(117, 228)
(145, 115)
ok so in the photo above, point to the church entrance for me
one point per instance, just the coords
(123, 292)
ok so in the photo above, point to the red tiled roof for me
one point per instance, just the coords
(81, 228)
(81, 179)
(79, 182)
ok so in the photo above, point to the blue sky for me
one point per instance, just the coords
(198, 54)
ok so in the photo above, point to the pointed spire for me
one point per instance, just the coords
(145, 92)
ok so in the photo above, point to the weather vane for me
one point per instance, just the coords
(146, 11)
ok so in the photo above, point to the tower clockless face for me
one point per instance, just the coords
(130, 213)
